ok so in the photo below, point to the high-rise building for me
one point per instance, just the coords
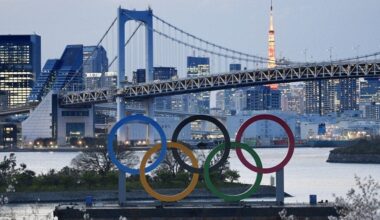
(57, 73)
(70, 69)
(369, 93)
(20, 65)
(263, 98)
(326, 96)
(139, 76)
(164, 73)
(293, 98)
(179, 103)
(220, 100)
(95, 65)
(8, 135)
(109, 79)
(93, 80)
(95, 59)
(229, 94)
(346, 95)
(197, 66)
(369, 90)
(45, 82)
(159, 73)
(235, 67)
(372, 111)
(239, 101)
(3, 99)
(320, 97)
(200, 102)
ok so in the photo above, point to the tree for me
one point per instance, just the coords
(361, 204)
(170, 165)
(171, 170)
(231, 175)
(283, 215)
(223, 173)
(99, 162)
(9, 172)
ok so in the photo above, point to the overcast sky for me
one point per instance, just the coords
(349, 26)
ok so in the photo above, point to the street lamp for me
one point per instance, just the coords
(356, 48)
(305, 54)
(330, 50)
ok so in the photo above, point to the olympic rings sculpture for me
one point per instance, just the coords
(174, 146)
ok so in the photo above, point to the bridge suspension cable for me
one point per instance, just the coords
(126, 43)
(206, 50)
(255, 57)
(91, 54)
(357, 57)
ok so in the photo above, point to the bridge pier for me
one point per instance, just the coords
(280, 194)
(120, 101)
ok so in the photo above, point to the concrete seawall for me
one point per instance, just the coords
(111, 195)
(197, 211)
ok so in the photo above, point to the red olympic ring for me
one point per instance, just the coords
(291, 143)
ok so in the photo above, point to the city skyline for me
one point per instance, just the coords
(326, 23)
(124, 77)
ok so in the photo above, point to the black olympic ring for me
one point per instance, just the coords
(216, 122)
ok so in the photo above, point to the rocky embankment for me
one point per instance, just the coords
(364, 151)
(335, 157)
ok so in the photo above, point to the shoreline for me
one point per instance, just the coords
(353, 158)
(68, 149)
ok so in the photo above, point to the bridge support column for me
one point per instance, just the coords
(123, 16)
(149, 70)
(280, 194)
(122, 187)
(120, 101)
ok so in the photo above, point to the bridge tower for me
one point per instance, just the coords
(145, 17)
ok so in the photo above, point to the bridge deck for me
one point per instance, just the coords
(225, 81)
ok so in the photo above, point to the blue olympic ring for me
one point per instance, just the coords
(145, 120)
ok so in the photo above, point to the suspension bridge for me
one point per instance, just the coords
(142, 40)
(173, 45)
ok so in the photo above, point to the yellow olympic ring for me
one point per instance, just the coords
(168, 198)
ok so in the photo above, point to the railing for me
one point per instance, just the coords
(225, 81)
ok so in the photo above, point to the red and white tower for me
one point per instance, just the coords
(271, 42)
(271, 45)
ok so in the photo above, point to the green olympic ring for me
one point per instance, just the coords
(211, 186)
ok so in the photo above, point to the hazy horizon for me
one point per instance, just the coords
(348, 26)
